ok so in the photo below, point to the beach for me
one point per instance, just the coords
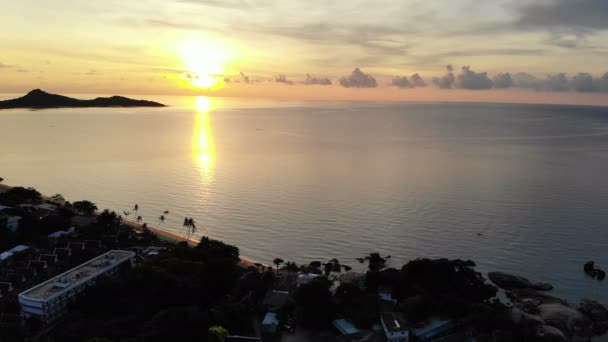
(161, 233)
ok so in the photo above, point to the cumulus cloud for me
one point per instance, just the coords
(2, 65)
(401, 82)
(524, 80)
(503, 80)
(282, 79)
(417, 81)
(470, 79)
(446, 81)
(358, 79)
(317, 80)
(586, 83)
(412, 82)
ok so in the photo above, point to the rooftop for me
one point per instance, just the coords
(76, 275)
(394, 321)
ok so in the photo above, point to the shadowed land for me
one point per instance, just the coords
(40, 99)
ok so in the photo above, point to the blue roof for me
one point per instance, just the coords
(270, 319)
(345, 327)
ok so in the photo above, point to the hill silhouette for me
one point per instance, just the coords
(40, 99)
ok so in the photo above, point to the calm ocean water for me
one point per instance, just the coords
(313, 181)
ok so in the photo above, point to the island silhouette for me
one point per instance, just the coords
(40, 99)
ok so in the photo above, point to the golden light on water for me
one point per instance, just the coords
(203, 148)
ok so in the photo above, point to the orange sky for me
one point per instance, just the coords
(501, 51)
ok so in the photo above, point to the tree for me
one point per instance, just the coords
(278, 261)
(135, 208)
(315, 301)
(217, 334)
(1, 179)
(18, 195)
(161, 219)
(85, 207)
(58, 198)
(127, 213)
(108, 218)
(139, 218)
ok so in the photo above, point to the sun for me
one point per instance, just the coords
(204, 61)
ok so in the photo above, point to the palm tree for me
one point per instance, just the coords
(136, 208)
(192, 227)
(161, 219)
(127, 213)
(139, 218)
(277, 262)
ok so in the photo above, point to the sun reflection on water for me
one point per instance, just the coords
(203, 148)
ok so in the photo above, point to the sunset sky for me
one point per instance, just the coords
(531, 50)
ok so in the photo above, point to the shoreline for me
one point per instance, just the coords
(164, 234)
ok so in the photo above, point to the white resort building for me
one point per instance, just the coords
(49, 300)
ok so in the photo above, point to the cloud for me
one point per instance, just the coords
(503, 80)
(586, 83)
(579, 15)
(282, 79)
(244, 77)
(317, 80)
(401, 82)
(446, 81)
(229, 4)
(412, 82)
(417, 81)
(2, 65)
(524, 80)
(470, 79)
(358, 79)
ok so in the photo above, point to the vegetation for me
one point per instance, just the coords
(179, 293)
(20, 195)
(85, 207)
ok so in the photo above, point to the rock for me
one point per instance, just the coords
(594, 310)
(550, 334)
(564, 317)
(600, 274)
(509, 281)
(589, 266)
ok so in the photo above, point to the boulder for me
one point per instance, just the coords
(508, 282)
(589, 266)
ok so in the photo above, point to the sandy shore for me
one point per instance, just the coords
(162, 233)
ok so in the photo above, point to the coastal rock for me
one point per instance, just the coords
(597, 313)
(589, 266)
(508, 281)
(565, 318)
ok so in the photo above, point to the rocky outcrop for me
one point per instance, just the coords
(508, 282)
(594, 272)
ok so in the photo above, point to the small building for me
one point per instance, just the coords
(395, 327)
(275, 301)
(434, 329)
(10, 222)
(49, 300)
(345, 327)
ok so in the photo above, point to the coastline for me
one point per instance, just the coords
(163, 234)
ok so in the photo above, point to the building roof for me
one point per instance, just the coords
(11, 218)
(393, 322)
(345, 327)
(276, 300)
(271, 318)
(433, 327)
(10, 252)
(76, 275)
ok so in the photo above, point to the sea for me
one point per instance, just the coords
(520, 188)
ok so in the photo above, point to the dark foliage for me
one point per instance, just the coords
(85, 207)
(315, 304)
(19, 195)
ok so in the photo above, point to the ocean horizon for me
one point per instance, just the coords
(517, 188)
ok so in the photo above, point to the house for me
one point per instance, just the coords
(395, 326)
(10, 222)
(275, 301)
(345, 327)
(270, 326)
(61, 233)
(13, 251)
(434, 329)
